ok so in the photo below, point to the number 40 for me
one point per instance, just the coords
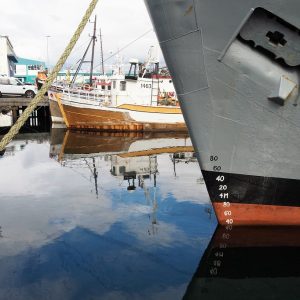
(220, 178)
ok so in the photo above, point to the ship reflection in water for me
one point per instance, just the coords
(249, 263)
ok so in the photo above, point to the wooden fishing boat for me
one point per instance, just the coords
(136, 102)
(142, 100)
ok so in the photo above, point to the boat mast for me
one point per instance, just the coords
(92, 42)
(80, 64)
(101, 53)
(93, 51)
(95, 175)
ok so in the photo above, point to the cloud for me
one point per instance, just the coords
(27, 23)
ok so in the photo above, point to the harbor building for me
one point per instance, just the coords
(27, 69)
(8, 58)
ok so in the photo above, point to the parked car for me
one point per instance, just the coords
(14, 87)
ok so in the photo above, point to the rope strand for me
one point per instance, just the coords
(39, 96)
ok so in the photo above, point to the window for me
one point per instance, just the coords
(114, 84)
(35, 67)
(14, 81)
(122, 85)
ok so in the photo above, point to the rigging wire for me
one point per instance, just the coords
(119, 50)
(72, 56)
(126, 46)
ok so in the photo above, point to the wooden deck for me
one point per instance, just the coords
(20, 101)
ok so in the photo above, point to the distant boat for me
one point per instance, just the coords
(99, 92)
(235, 66)
(142, 100)
(90, 91)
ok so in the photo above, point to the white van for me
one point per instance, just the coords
(14, 87)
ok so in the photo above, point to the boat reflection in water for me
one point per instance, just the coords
(78, 144)
(133, 159)
(249, 263)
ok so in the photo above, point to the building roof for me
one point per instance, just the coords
(27, 61)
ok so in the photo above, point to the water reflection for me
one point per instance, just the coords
(127, 216)
(133, 157)
(76, 144)
(104, 217)
(249, 263)
(20, 141)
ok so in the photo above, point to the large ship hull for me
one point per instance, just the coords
(235, 70)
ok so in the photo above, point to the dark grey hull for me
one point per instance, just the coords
(236, 71)
(225, 86)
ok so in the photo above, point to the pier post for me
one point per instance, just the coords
(15, 116)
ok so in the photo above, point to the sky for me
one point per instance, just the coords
(28, 23)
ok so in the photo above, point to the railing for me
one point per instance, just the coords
(93, 97)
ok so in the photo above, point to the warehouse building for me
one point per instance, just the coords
(27, 69)
(8, 58)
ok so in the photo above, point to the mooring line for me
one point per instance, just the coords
(39, 96)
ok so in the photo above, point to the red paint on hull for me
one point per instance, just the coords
(256, 214)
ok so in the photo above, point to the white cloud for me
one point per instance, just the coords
(185, 183)
(27, 23)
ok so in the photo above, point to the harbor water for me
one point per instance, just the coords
(127, 216)
(74, 227)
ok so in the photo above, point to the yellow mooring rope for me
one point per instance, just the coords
(39, 96)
